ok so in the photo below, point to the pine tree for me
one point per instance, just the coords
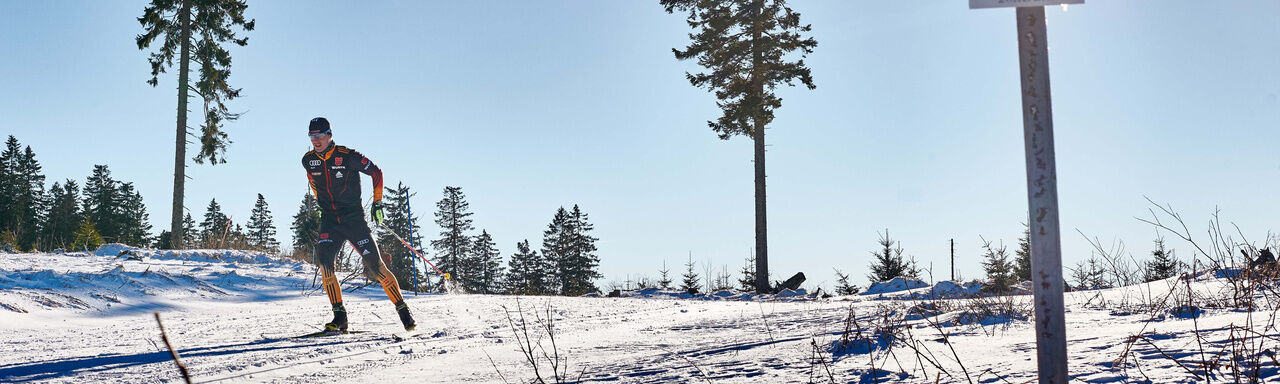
(31, 202)
(64, 215)
(1163, 264)
(1022, 263)
(525, 272)
(262, 228)
(997, 266)
(306, 226)
(9, 188)
(744, 45)
(162, 240)
(664, 277)
(889, 262)
(189, 227)
(843, 288)
(484, 264)
(579, 272)
(1090, 274)
(555, 251)
(102, 203)
(454, 218)
(216, 228)
(135, 224)
(398, 219)
(23, 203)
(196, 27)
(237, 238)
(747, 275)
(690, 282)
(86, 236)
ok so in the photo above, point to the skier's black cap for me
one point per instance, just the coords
(318, 126)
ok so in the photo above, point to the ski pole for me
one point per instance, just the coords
(415, 252)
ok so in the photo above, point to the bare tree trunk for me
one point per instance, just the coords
(762, 238)
(180, 143)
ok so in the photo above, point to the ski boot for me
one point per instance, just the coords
(339, 323)
(405, 318)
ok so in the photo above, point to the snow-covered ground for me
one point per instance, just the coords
(87, 317)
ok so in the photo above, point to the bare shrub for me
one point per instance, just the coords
(998, 312)
(1236, 353)
(890, 329)
(541, 353)
(1112, 266)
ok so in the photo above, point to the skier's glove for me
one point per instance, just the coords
(376, 213)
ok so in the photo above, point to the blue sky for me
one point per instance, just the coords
(528, 106)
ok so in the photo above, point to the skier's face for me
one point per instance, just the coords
(320, 142)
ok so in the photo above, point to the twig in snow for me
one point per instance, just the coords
(765, 321)
(495, 368)
(165, 336)
(692, 364)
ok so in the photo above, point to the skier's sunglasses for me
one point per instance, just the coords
(317, 136)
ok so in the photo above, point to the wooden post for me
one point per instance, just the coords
(953, 259)
(413, 241)
(1042, 196)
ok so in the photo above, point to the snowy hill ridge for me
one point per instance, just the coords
(119, 277)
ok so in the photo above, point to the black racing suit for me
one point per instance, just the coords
(336, 184)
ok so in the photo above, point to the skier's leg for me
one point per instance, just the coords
(326, 254)
(375, 269)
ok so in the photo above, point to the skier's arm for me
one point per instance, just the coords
(369, 168)
(312, 182)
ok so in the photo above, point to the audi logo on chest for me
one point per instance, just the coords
(315, 163)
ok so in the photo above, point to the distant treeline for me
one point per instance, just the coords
(75, 216)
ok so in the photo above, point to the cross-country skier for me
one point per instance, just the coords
(331, 169)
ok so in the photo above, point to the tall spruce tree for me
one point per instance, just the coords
(31, 202)
(23, 202)
(1163, 264)
(484, 264)
(9, 182)
(262, 228)
(102, 204)
(198, 27)
(889, 263)
(1022, 259)
(135, 224)
(398, 219)
(454, 218)
(555, 249)
(744, 45)
(64, 215)
(580, 268)
(995, 262)
(306, 226)
(216, 227)
(526, 274)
